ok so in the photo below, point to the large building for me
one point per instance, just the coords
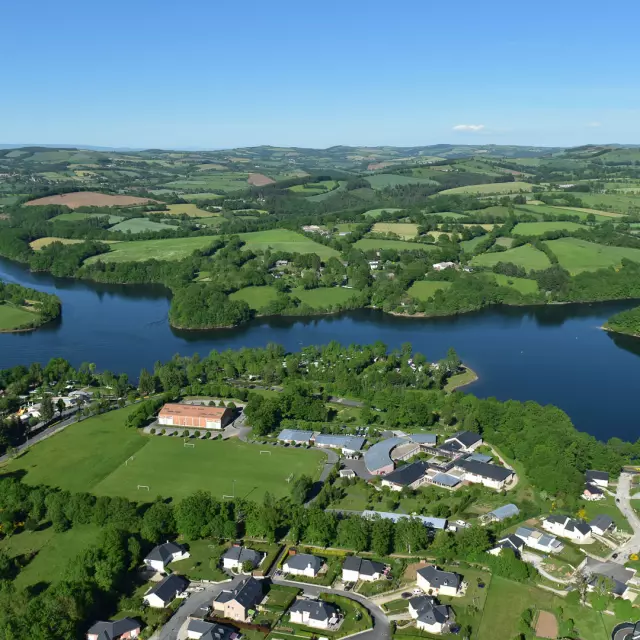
(194, 416)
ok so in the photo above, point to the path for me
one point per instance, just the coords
(346, 402)
(536, 561)
(623, 500)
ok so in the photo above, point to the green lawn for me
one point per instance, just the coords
(425, 289)
(12, 317)
(368, 244)
(579, 255)
(406, 230)
(607, 507)
(136, 225)
(486, 189)
(324, 297)
(167, 249)
(523, 285)
(376, 213)
(255, 297)
(197, 566)
(538, 228)
(526, 256)
(285, 240)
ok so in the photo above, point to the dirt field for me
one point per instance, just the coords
(259, 180)
(90, 199)
(546, 625)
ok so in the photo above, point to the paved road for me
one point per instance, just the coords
(332, 458)
(623, 495)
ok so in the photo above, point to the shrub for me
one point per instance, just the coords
(197, 434)
(152, 430)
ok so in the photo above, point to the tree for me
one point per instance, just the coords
(247, 566)
(146, 385)
(300, 489)
(382, 531)
(46, 409)
(158, 522)
(60, 406)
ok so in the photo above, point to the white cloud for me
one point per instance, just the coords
(595, 124)
(468, 127)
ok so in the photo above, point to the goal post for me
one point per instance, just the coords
(128, 460)
(186, 443)
(269, 452)
(143, 486)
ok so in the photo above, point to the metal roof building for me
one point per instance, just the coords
(504, 512)
(352, 443)
(434, 523)
(378, 458)
(295, 435)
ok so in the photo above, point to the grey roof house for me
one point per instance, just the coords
(114, 629)
(166, 591)
(429, 615)
(303, 564)
(236, 556)
(201, 630)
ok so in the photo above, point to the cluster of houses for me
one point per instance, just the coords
(31, 409)
(350, 446)
(595, 483)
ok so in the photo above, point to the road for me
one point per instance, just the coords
(623, 496)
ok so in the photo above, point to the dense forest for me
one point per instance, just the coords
(625, 322)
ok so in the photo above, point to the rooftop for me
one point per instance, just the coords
(113, 628)
(601, 521)
(484, 470)
(192, 411)
(434, 523)
(597, 475)
(445, 480)
(438, 578)
(504, 512)
(407, 474)
(301, 561)
(353, 443)
(297, 435)
(362, 565)
(164, 552)
(169, 587)
(428, 610)
(317, 609)
(242, 554)
(466, 438)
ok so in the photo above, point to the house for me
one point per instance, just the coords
(501, 513)
(409, 475)
(282, 263)
(539, 541)
(465, 441)
(488, 475)
(567, 527)
(313, 613)
(599, 478)
(512, 542)
(165, 591)
(347, 473)
(618, 576)
(429, 615)
(441, 266)
(165, 554)
(355, 568)
(240, 603)
(592, 492)
(122, 629)
(373, 264)
(202, 630)
(434, 581)
(427, 521)
(235, 557)
(601, 524)
(303, 564)
(194, 416)
(349, 445)
(295, 436)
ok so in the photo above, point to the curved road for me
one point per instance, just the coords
(623, 497)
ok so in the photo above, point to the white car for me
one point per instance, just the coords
(418, 592)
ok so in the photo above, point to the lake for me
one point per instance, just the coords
(553, 354)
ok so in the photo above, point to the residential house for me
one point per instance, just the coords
(165, 591)
(303, 564)
(592, 492)
(512, 542)
(165, 554)
(601, 524)
(539, 541)
(202, 630)
(313, 613)
(617, 575)
(236, 556)
(600, 478)
(434, 581)
(194, 416)
(465, 441)
(355, 568)
(240, 603)
(295, 436)
(501, 513)
(441, 266)
(122, 629)
(567, 527)
(429, 615)
(409, 475)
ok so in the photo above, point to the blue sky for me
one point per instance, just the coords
(217, 74)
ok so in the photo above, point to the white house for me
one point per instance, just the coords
(235, 557)
(355, 568)
(601, 524)
(313, 613)
(347, 473)
(464, 442)
(434, 581)
(303, 564)
(599, 478)
(592, 492)
(165, 554)
(488, 475)
(566, 527)
(165, 591)
(429, 615)
(539, 541)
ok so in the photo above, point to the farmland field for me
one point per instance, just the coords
(406, 230)
(523, 285)
(451, 215)
(259, 180)
(470, 245)
(76, 217)
(367, 244)
(579, 255)
(191, 210)
(43, 242)
(324, 297)
(165, 249)
(285, 240)
(201, 196)
(90, 199)
(314, 188)
(616, 202)
(384, 180)
(327, 194)
(526, 256)
(255, 297)
(487, 189)
(206, 181)
(376, 213)
(600, 216)
(136, 225)
(538, 228)
(425, 289)
(12, 317)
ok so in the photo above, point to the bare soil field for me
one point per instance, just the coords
(259, 180)
(90, 199)
(546, 625)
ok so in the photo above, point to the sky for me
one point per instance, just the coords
(220, 74)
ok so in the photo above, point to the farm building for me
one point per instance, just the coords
(193, 415)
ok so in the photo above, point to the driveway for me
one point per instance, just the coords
(536, 561)
(623, 494)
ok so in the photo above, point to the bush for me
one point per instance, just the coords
(163, 432)
(185, 433)
(197, 434)
(152, 430)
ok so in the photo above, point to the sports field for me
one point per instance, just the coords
(12, 317)
(367, 244)
(285, 240)
(406, 230)
(137, 225)
(95, 455)
(579, 255)
(526, 256)
(523, 285)
(425, 289)
(487, 189)
(324, 297)
(166, 249)
(538, 228)
(255, 297)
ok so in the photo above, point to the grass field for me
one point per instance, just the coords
(90, 199)
(488, 189)
(40, 243)
(137, 225)
(617, 202)
(12, 317)
(504, 242)
(376, 213)
(70, 460)
(367, 244)
(285, 240)
(523, 285)
(191, 210)
(201, 196)
(314, 188)
(204, 181)
(77, 217)
(327, 194)
(425, 289)
(255, 297)
(384, 180)
(600, 216)
(525, 256)
(324, 297)
(450, 215)
(470, 245)
(538, 228)
(167, 249)
(579, 255)
(406, 230)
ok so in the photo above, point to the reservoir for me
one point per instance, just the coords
(551, 354)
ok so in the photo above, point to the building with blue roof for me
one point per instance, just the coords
(502, 513)
(427, 521)
(296, 436)
(377, 458)
(348, 444)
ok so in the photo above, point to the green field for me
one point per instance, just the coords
(201, 196)
(425, 289)
(368, 244)
(314, 188)
(525, 256)
(255, 297)
(191, 210)
(537, 209)
(137, 225)
(376, 213)
(538, 228)
(488, 189)
(12, 317)
(504, 242)
(523, 285)
(327, 194)
(167, 249)
(450, 215)
(76, 217)
(285, 240)
(324, 297)
(406, 230)
(579, 255)
(384, 180)
(470, 245)
(617, 202)
(91, 456)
